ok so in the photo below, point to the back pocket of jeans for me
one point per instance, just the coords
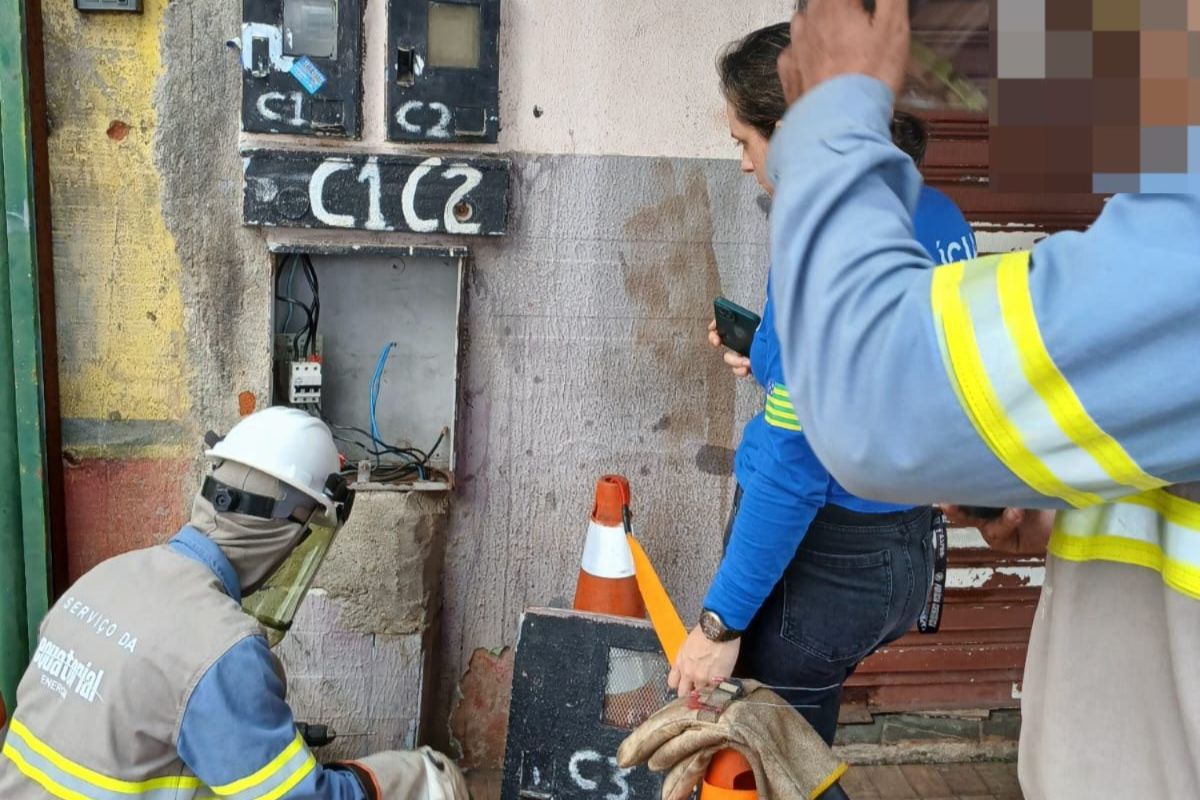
(836, 607)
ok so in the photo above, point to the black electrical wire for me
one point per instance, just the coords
(416, 463)
(308, 315)
(311, 312)
(310, 275)
(378, 447)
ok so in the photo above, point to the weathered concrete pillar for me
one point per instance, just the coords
(359, 657)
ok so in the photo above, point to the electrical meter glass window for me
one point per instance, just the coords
(310, 28)
(454, 35)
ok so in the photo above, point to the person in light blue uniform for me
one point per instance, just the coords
(814, 578)
(1062, 378)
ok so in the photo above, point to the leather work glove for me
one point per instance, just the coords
(790, 761)
(422, 774)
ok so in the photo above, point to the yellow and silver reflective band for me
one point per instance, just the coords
(274, 780)
(779, 411)
(66, 779)
(1020, 403)
(1156, 530)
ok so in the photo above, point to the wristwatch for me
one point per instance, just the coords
(715, 629)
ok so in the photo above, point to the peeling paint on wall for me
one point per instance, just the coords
(479, 721)
(994, 577)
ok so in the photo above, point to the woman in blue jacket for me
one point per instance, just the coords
(813, 579)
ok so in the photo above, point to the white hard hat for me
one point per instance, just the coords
(288, 444)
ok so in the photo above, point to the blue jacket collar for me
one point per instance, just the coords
(193, 544)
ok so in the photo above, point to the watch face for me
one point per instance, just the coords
(712, 627)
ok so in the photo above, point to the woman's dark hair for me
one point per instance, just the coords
(750, 82)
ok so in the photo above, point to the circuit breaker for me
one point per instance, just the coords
(301, 66)
(443, 81)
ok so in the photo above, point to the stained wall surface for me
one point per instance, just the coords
(584, 326)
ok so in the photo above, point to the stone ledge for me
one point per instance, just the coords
(931, 738)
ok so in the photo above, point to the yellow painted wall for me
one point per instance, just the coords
(120, 312)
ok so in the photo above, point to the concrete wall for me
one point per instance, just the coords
(586, 354)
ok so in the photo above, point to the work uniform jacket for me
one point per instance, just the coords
(1063, 377)
(149, 681)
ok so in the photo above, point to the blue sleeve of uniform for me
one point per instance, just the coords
(789, 485)
(852, 288)
(239, 737)
(778, 504)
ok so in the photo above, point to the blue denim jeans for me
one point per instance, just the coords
(857, 582)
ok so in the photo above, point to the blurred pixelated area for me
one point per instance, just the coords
(1095, 95)
(1081, 96)
(951, 60)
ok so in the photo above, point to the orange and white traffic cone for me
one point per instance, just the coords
(607, 583)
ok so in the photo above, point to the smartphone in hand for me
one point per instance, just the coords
(735, 325)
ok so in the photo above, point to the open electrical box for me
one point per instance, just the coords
(366, 326)
(369, 341)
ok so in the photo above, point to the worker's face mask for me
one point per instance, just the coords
(275, 599)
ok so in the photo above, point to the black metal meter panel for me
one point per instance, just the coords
(443, 77)
(302, 66)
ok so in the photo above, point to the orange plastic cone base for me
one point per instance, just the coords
(617, 596)
(729, 777)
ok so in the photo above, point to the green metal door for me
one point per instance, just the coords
(24, 537)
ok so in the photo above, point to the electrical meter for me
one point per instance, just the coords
(443, 70)
(301, 66)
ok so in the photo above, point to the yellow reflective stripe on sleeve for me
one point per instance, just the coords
(300, 774)
(265, 773)
(1043, 374)
(779, 411)
(1174, 508)
(39, 777)
(17, 728)
(1155, 530)
(978, 398)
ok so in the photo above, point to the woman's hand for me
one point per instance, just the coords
(701, 661)
(739, 364)
(1023, 532)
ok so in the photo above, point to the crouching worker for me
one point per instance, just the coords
(150, 680)
(790, 760)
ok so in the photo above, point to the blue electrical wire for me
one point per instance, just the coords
(376, 385)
